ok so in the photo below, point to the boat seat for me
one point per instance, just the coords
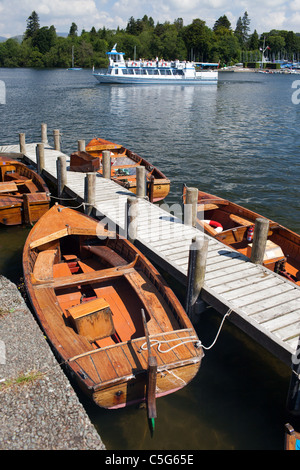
(107, 255)
(61, 269)
(8, 187)
(43, 267)
(240, 220)
(92, 319)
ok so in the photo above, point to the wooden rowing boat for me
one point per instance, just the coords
(292, 438)
(123, 167)
(24, 196)
(233, 225)
(88, 294)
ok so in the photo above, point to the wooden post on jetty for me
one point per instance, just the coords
(131, 218)
(190, 207)
(259, 240)
(106, 164)
(44, 133)
(89, 192)
(61, 170)
(81, 145)
(56, 136)
(40, 157)
(151, 188)
(22, 143)
(140, 181)
(196, 272)
(293, 400)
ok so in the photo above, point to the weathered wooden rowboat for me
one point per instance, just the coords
(233, 225)
(123, 167)
(292, 438)
(90, 294)
(24, 196)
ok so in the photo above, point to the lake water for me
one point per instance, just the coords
(238, 140)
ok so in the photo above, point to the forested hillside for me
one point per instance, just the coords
(142, 38)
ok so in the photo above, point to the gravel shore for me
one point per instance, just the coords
(44, 413)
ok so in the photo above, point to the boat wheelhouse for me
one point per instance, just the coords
(156, 71)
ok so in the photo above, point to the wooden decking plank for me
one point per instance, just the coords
(278, 310)
(248, 289)
(238, 282)
(262, 297)
(290, 331)
(283, 321)
(255, 306)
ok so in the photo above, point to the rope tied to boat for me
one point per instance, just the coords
(219, 331)
(154, 342)
(190, 339)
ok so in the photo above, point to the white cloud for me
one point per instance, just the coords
(263, 14)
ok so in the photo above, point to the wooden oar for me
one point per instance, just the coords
(151, 378)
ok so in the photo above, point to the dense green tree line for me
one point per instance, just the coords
(142, 38)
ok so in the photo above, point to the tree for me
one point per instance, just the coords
(254, 41)
(198, 39)
(242, 29)
(73, 30)
(32, 25)
(222, 22)
(246, 27)
(44, 39)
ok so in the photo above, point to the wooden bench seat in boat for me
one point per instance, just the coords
(240, 220)
(207, 207)
(8, 186)
(61, 269)
(92, 319)
(106, 254)
(44, 263)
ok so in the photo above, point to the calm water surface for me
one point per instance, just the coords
(238, 140)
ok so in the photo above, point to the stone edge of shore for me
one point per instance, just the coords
(46, 413)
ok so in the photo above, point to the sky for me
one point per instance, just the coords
(264, 15)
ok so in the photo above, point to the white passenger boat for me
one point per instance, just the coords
(156, 71)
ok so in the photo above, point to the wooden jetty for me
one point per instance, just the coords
(263, 304)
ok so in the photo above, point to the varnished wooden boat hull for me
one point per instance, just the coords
(67, 271)
(283, 247)
(124, 162)
(23, 194)
(292, 438)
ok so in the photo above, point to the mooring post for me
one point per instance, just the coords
(140, 181)
(22, 143)
(293, 400)
(196, 271)
(106, 164)
(56, 136)
(131, 218)
(61, 170)
(44, 133)
(260, 237)
(89, 192)
(190, 206)
(151, 188)
(81, 145)
(40, 157)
